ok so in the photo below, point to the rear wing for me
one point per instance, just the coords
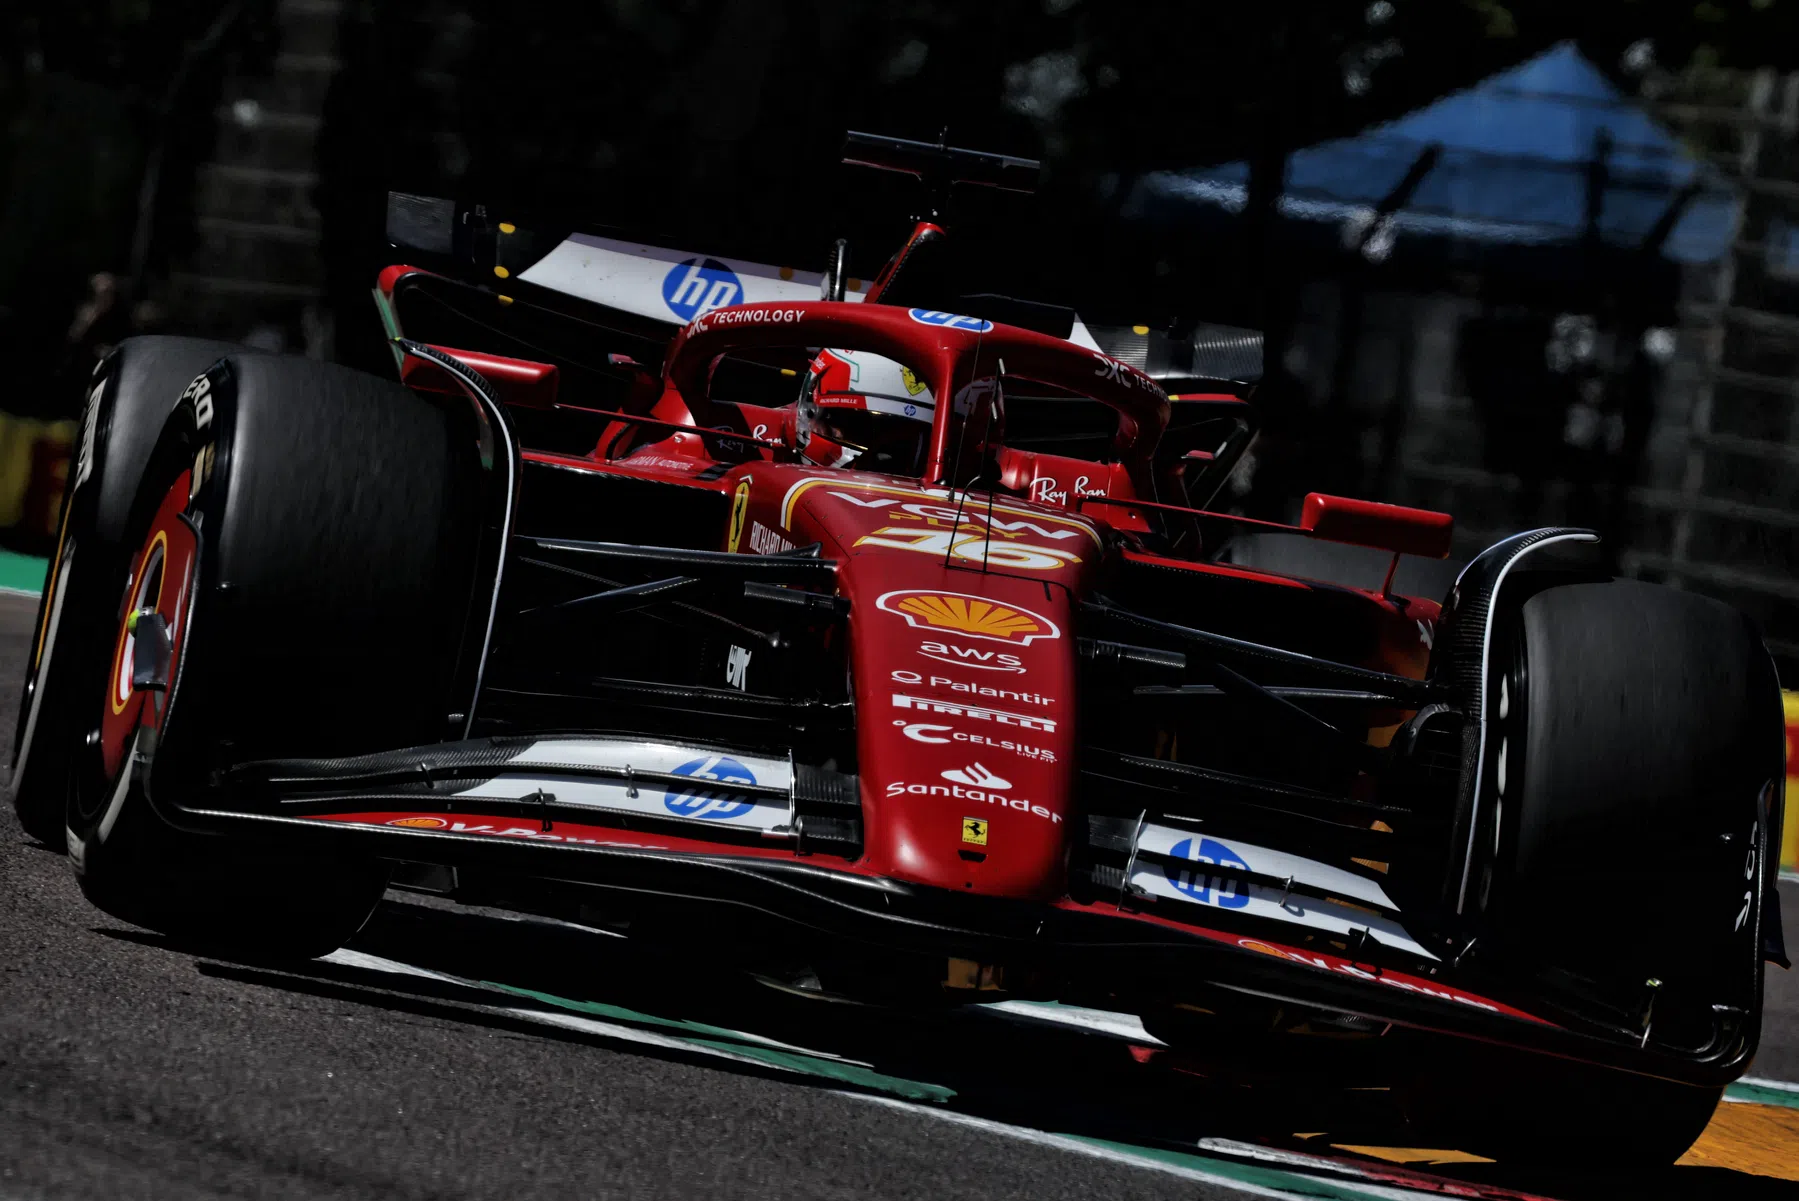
(655, 282)
(1213, 358)
(661, 285)
(940, 166)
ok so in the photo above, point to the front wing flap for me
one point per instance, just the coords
(731, 827)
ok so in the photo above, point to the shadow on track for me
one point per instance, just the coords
(544, 980)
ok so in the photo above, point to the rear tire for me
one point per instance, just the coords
(132, 393)
(307, 536)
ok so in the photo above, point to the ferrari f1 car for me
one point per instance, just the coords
(895, 632)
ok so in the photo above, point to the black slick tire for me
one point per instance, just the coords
(306, 537)
(1621, 864)
(131, 395)
(1637, 759)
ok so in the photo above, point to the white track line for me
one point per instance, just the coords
(1096, 1020)
(1231, 1148)
(568, 1021)
(1778, 1086)
(1044, 1138)
(1785, 1086)
(575, 1021)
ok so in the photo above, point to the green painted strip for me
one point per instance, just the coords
(1764, 1092)
(1255, 1178)
(720, 1039)
(1288, 1183)
(835, 1069)
(22, 573)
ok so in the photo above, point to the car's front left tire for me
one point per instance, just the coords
(129, 398)
(304, 544)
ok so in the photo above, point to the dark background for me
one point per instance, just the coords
(207, 167)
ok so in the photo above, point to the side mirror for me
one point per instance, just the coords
(1384, 527)
(515, 381)
(646, 385)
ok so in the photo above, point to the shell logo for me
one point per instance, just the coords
(970, 616)
(420, 823)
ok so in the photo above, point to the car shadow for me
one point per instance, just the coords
(495, 972)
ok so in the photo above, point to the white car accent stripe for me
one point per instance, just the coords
(1161, 840)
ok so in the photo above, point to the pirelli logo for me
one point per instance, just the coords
(1000, 717)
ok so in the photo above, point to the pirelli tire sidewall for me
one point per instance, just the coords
(339, 520)
(128, 860)
(129, 398)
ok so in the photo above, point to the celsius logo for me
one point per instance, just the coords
(973, 325)
(712, 806)
(698, 286)
(977, 776)
(1231, 893)
(924, 731)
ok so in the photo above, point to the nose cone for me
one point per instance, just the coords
(964, 686)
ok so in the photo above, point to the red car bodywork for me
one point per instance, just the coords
(962, 601)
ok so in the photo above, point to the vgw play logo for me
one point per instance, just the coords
(712, 806)
(698, 286)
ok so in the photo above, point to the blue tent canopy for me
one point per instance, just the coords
(1517, 155)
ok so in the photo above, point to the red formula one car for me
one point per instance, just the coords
(898, 638)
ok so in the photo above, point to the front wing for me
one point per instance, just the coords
(764, 835)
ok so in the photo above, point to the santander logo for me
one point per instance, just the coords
(977, 776)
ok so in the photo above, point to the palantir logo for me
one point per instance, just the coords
(1231, 893)
(698, 286)
(712, 806)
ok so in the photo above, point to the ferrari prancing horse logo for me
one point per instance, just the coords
(740, 511)
(974, 830)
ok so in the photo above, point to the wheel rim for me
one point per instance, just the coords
(161, 582)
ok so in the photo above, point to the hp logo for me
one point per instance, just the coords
(1231, 893)
(699, 286)
(973, 325)
(712, 806)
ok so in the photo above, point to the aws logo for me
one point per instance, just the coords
(969, 616)
(971, 656)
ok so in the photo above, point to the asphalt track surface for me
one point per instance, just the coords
(452, 1053)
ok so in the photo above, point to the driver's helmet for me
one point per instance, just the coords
(865, 410)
